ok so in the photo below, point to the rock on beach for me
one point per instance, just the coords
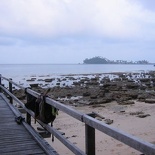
(123, 88)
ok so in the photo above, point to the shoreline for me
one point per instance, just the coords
(60, 69)
(100, 88)
(25, 81)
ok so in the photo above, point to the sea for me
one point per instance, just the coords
(21, 72)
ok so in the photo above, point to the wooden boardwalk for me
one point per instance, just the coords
(19, 139)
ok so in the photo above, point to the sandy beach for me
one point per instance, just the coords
(126, 121)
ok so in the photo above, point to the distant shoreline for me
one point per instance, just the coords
(27, 70)
(101, 60)
(81, 64)
(120, 64)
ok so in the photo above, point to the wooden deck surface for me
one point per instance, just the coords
(15, 139)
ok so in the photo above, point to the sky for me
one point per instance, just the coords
(69, 31)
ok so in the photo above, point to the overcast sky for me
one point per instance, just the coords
(68, 31)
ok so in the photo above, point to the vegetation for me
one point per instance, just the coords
(100, 60)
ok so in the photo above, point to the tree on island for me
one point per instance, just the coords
(96, 60)
(100, 60)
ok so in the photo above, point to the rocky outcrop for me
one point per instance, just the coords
(123, 88)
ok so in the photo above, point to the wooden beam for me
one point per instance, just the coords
(132, 141)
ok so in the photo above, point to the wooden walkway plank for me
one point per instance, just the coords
(15, 139)
(35, 151)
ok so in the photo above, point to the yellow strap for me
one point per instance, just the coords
(54, 111)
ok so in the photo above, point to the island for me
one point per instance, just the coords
(101, 60)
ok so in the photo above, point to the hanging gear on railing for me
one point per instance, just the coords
(43, 111)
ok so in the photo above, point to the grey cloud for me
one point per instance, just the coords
(71, 30)
(105, 18)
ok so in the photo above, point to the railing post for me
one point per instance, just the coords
(90, 138)
(0, 82)
(28, 116)
(10, 89)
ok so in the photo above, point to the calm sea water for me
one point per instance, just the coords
(21, 73)
(61, 69)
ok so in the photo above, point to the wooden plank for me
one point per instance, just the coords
(42, 142)
(132, 141)
(17, 144)
(14, 138)
(34, 151)
(19, 148)
(15, 141)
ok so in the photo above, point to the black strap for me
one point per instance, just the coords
(19, 119)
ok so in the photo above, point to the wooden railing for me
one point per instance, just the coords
(91, 124)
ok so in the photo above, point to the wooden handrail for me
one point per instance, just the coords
(132, 141)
